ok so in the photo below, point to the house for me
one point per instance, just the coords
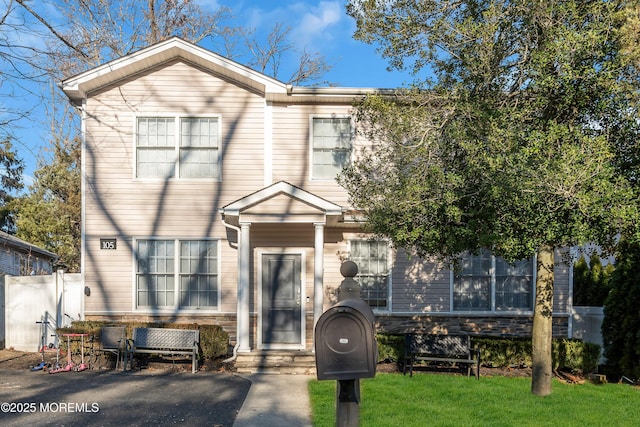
(209, 196)
(20, 258)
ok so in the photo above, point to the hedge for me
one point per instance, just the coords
(214, 341)
(495, 352)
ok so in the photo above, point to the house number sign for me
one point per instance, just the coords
(109, 244)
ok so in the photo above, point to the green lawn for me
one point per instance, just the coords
(446, 400)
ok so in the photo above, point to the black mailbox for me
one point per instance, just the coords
(345, 342)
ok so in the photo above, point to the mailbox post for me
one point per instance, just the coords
(345, 346)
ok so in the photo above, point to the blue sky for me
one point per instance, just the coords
(324, 27)
(317, 26)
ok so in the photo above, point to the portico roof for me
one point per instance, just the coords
(280, 202)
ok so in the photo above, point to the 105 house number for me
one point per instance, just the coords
(109, 244)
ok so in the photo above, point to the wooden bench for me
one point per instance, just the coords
(165, 341)
(440, 348)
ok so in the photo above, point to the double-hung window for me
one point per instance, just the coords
(174, 274)
(484, 282)
(162, 152)
(331, 146)
(372, 259)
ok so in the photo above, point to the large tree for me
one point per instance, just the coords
(49, 215)
(11, 181)
(508, 139)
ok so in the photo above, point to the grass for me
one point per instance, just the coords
(446, 400)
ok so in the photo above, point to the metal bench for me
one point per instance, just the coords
(440, 348)
(113, 340)
(165, 341)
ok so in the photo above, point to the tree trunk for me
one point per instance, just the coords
(542, 324)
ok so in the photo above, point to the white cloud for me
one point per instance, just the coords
(313, 24)
(319, 24)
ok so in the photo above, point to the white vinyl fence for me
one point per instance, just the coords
(56, 299)
(587, 324)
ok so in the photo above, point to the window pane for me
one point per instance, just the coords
(155, 147)
(154, 277)
(332, 139)
(199, 148)
(472, 283)
(198, 163)
(514, 285)
(198, 274)
(371, 257)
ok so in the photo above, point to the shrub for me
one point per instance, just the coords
(621, 324)
(504, 352)
(591, 281)
(576, 355)
(390, 347)
(499, 352)
(214, 341)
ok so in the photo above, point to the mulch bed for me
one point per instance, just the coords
(17, 360)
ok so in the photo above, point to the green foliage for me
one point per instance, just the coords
(390, 347)
(621, 324)
(582, 357)
(447, 400)
(504, 352)
(49, 215)
(501, 352)
(11, 168)
(522, 118)
(214, 341)
(512, 144)
(575, 355)
(591, 281)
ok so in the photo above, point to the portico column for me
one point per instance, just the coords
(244, 265)
(318, 272)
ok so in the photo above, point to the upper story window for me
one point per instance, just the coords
(372, 259)
(161, 152)
(331, 140)
(485, 282)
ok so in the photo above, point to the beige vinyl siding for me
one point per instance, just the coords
(228, 278)
(291, 148)
(109, 276)
(177, 206)
(119, 205)
(420, 286)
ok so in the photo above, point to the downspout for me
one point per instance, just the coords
(237, 345)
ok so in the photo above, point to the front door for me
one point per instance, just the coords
(281, 301)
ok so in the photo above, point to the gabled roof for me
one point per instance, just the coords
(281, 187)
(77, 87)
(20, 245)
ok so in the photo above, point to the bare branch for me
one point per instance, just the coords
(50, 27)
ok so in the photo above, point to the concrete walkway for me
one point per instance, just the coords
(276, 400)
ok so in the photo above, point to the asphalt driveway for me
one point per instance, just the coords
(111, 398)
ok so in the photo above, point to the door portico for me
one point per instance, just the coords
(279, 204)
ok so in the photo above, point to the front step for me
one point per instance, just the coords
(276, 362)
